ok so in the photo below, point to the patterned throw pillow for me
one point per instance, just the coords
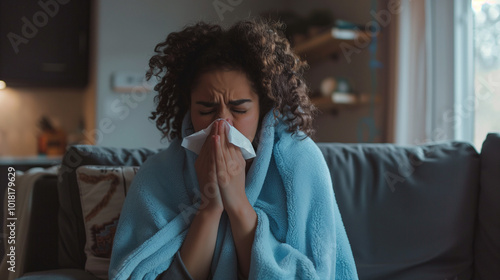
(102, 193)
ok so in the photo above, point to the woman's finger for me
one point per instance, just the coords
(222, 132)
(212, 159)
(220, 162)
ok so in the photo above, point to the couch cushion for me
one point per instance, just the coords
(487, 246)
(409, 212)
(102, 193)
(71, 226)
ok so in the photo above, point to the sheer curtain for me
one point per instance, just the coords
(431, 82)
(410, 79)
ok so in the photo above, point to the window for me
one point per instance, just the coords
(486, 15)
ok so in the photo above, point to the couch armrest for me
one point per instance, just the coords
(71, 227)
(487, 243)
(42, 239)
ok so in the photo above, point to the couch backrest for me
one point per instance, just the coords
(71, 226)
(487, 245)
(409, 212)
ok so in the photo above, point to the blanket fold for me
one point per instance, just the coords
(299, 235)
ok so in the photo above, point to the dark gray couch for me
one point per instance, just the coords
(416, 212)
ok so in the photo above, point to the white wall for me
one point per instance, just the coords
(128, 31)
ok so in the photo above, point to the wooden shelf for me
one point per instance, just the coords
(325, 103)
(323, 46)
(327, 43)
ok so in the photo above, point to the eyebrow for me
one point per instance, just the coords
(232, 102)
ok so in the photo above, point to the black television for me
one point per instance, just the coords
(44, 43)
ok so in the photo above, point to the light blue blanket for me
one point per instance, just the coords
(299, 235)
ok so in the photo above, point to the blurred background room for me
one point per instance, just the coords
(406, 72)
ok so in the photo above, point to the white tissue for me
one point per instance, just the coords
(195, 141)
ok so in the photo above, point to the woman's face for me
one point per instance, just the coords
(225, 94)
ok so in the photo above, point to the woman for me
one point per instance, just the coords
(217, 215)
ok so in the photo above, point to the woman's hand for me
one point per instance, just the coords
(206, 172)
(220, 168)
(198, 248)
(230, 166)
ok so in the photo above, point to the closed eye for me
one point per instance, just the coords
(206, 113)
(234, 110)
(233, 103)
(239, 111)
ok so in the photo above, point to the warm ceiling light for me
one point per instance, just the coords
(2, 84)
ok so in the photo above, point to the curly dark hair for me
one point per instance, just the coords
(256, 47)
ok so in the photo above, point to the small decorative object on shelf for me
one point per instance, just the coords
(328, 86)
(338, 92)
(51, 140)
(344, 85)
(344, 98)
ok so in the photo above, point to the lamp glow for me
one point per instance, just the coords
(2, 84)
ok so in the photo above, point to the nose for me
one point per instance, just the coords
(224, 114)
